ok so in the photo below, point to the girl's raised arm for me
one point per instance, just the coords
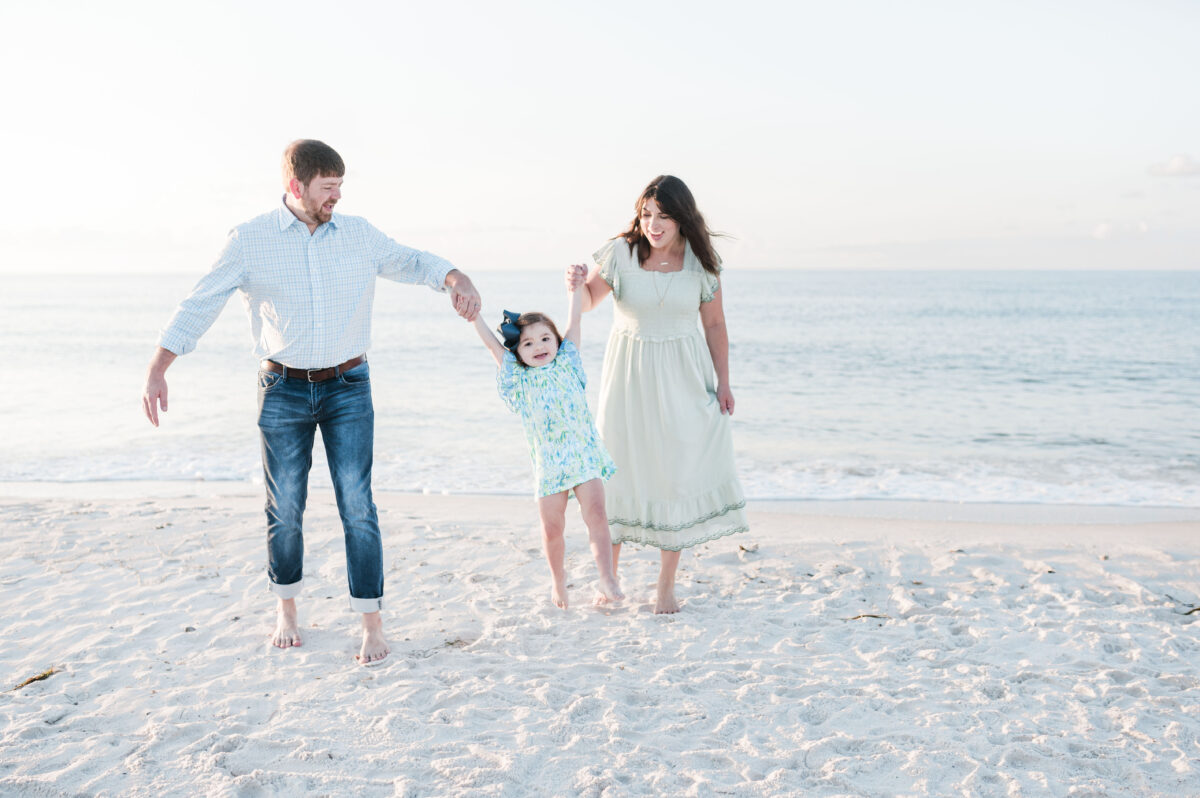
(594, 286)
(574, 312)
(489, 339)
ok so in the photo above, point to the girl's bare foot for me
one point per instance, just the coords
(552, 513)
(558, 594)
(374, 646)
(610, 591)
(287, 629)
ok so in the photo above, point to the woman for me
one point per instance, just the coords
(662, 415)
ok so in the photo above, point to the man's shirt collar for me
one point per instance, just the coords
(287, 218)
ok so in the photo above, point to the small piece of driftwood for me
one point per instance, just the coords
(46, 674)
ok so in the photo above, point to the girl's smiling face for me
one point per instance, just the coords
(537, 346)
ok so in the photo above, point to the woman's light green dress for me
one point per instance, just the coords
(676, 484)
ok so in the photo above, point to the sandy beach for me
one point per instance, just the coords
(819, 654)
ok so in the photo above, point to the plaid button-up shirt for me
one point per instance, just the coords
(308, 296)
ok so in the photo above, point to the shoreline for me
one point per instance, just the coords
(1023, 513)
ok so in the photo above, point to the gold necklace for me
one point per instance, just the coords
(662, 297)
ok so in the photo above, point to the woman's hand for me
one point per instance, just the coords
(725, 399)
(576, 276)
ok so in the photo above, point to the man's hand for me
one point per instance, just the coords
(463, 295)
(154, 395)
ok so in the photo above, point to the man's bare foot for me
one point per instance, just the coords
(666, 603)
(610, 591)
(374, 646)
(287, 629)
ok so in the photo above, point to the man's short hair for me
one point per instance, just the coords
(305, 159)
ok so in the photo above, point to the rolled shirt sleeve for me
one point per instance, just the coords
(407, 265)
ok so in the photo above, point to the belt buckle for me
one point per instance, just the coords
(309, 374)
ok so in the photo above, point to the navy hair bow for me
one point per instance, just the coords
(509, 330)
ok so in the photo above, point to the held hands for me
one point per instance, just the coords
(576, 276)
(463, 295)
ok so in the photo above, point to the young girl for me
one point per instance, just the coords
(540, 376)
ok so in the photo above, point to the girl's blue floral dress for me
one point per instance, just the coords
(563, 443)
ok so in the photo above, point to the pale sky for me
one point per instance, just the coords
(518, 134)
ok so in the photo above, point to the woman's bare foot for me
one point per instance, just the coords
(374, 646)
(287, 629)
(610, 591)
(666, 603)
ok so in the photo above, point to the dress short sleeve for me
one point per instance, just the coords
(571, 352)
(608, 258)
(507, 383)
(709, 284)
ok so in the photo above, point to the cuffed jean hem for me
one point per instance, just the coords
(366, 604)
(286, 591)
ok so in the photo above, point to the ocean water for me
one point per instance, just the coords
(1030, 387)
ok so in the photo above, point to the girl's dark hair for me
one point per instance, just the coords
(675, 200)
(529, 319)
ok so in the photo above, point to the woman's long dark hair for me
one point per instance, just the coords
(675, 200)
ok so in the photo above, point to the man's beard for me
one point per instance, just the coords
(319, 214)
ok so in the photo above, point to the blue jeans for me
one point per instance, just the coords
(289, 411)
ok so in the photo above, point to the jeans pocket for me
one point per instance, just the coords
(268, 380)
(360, 374)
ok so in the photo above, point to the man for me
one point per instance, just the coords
(307, 276)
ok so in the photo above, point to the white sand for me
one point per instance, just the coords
(1010, 660)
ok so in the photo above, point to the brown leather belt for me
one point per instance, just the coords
(312, 375)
